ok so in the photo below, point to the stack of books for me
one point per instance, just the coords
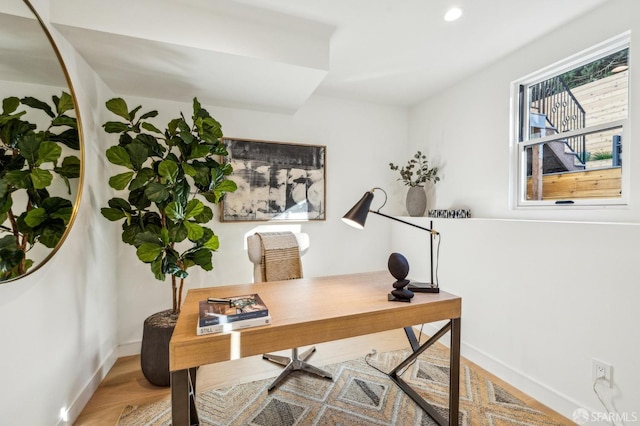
(231, 313)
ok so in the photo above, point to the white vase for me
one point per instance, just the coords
(416, 202)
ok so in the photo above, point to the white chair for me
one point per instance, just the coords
(258, 247)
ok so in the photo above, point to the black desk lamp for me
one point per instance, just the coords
(357, 217)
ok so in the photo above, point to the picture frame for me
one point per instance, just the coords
(277, 181)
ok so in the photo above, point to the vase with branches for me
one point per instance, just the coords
(415, 174)
(417, 171)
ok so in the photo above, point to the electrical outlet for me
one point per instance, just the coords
(602, 370)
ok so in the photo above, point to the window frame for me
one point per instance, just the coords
(519, 122)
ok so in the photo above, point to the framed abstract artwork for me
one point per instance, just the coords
(276, 181)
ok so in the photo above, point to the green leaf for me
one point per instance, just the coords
(54, 204)
(148, 252)
(119, 107)
(70, 167)
(64, 120)
(156, 192)
(65, 103)
(144, 176)
(147, 237)
(38, 104)
(178, 232)
(194, 208)
(119, 203)
(68, 138)
(10, 104)
(35, 217)
(196, 107)
(119, 156)
(116, 127)
(226, 169)
(51, 234)
(173, 126)
(133, 112)
(149, 114)
(227, 186)
(5, 206)
(213, 243)
(19, 179)
(216, 195)
(185, 132)
(170, 262)
(153, 147)
(201, 258)
(199, 151)
(120, 181)
(194, 231)
(63, 214)
(164, 236)
(29, 146)
(156, 268)
(138, 154)
(188, 169)
(112, 214)
(49, 152)
(150, 127)
(41, 178)
(138, 198)
(168, 170)
(174, 211)
(10, 254)
(205, 216)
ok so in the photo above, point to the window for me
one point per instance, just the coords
(569, 121)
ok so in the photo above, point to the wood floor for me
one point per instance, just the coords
(125, 384)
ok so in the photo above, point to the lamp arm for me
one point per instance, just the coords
(433, 232)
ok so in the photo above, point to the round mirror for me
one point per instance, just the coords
(40, 144)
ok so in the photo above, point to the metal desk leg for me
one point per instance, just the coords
(454, 372)
(454, 377)
(183, 398)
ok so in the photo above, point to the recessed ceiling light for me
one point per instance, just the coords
(453, 14)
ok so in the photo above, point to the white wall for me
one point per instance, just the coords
(65, 325)
(540, 298)
(357, 137)
(58, 329)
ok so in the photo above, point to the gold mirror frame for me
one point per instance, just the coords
(80, 154)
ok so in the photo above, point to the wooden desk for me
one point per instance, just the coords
(304, 312)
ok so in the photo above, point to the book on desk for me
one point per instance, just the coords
(232, 313)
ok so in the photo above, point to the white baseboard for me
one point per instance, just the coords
(128, 349)
(553, 399)
(85, 395)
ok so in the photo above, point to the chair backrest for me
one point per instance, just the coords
(283, 255)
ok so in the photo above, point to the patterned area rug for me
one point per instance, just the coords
(358, 395)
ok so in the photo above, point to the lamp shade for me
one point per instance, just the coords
(357, 216)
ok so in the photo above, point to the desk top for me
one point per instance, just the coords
(305, 311)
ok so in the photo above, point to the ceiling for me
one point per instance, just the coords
(273, 54)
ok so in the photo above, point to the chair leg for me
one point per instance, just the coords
(282, 360)
(295, 363)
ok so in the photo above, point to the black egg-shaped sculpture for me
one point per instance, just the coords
(398, 266)
(399, 269)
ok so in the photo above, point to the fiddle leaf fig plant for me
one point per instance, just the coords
(33, 207)
(168, 173)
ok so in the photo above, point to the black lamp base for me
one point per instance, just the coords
(392, 298)
(418, 287)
